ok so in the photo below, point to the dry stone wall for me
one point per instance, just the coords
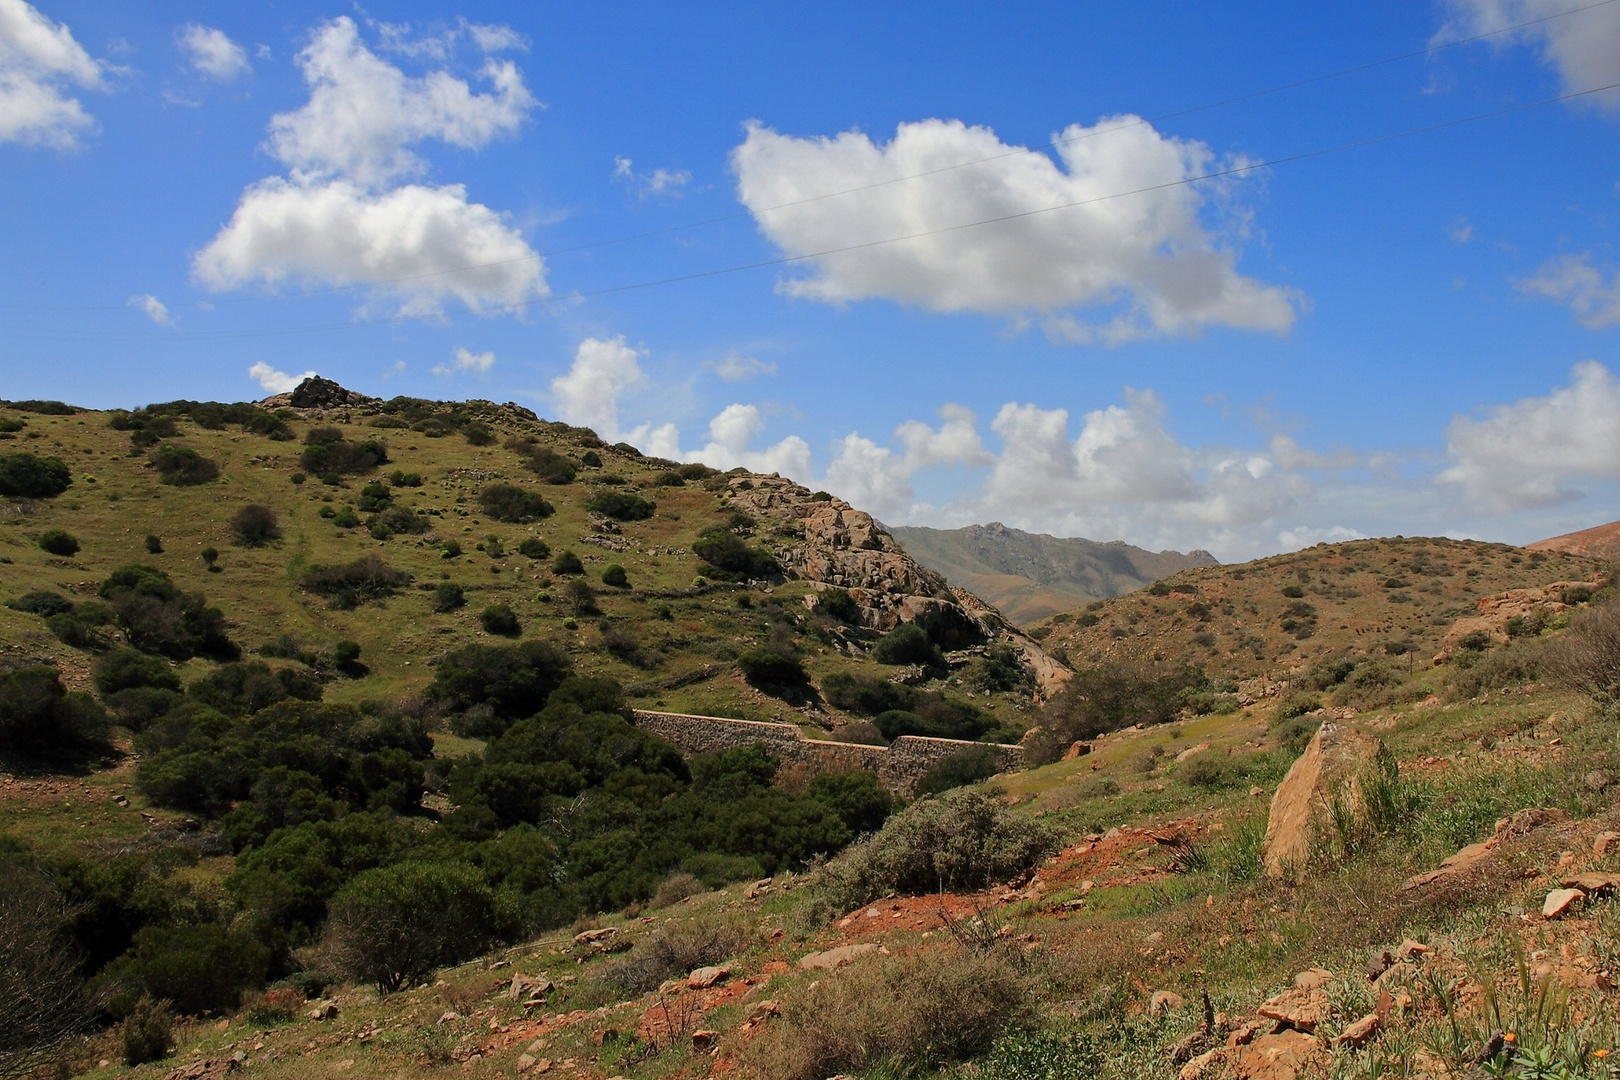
(899, 765)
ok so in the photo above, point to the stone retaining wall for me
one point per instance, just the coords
(899, 765)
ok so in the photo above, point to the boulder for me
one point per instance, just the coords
(705, 977)
(1560, 902)
(1361, 1032)
(1300, 1008)
(1283, 1055)
(1165, 1001)
(1329, 771)
(832, 958)
(1604, 843)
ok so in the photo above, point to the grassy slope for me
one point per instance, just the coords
(1357, 609)
(116, 500)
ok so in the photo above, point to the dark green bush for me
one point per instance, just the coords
(157, 617)
(614, 575)
(29, 476)
(838, 604)
(500, 619)
(508, 502)
(553, 468)
(148, 1032)
(39, 718)
(59, 542)
(41, 603)
(934, 715)
(243, 688)
(201, 969)
(255, 525)
(327, 452)
(731, 558)
(858, 797)
(349, 584)
(869, 695)
(154, 545)
(907, 644)
(124, 669)
(393, 926)
(396, 519)
(181, 466)
(773, 672)
(447, 597)
(621, 505)
(514, 680)
(478, 434)
(1117, 694)
(567, 563)
(533, 548)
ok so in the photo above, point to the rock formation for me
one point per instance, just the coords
(1325, 779)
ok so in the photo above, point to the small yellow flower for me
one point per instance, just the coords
(1601, 1054)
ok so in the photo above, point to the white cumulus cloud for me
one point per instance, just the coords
(731, 437)
(1583, 46)
(422, 244)
(155, 309)
(340, 219)
(588, 395)
(38, 58)
(276, 382)
(1529, 453)
(1574, 281)
(364, 114)
(212, 53)
(660, 181)
(1108, 270)
(466, 362)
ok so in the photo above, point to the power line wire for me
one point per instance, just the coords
(787, 260)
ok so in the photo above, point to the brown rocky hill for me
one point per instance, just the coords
(1598, 542)
(1029, 576)
(1395, 597)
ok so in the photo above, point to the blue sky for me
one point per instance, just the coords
(1412, 335)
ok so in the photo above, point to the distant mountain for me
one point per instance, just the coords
(1031, 575)
(1598, 542)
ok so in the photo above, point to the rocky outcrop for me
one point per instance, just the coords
(1327, 778)
(1496, 612)
(832, 545)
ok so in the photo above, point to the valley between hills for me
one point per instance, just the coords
(319, 756)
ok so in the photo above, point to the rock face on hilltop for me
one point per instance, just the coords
(317, 393)
(1497, 614)
(832, 545)
(1029, 576)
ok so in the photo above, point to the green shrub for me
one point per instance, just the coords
(621, 505)
(124, 669)
(350, 584)
(29, 476)
(154, 545)
(396, 519)
(200, 968)
(255, 525)
(514, 680)
(838, 604)
(912, 1014)
(1115, 695)
(393, 926)
(181, 466)
(533, 548)
(907, 644)
(1587, 659)
(478, 434)
(1297, 703)
(1293, 732)
(210, 556)
(346, 518)
(500, 619)
(553, 468)
(447, 597)
(960, 840)
(677, 949)
(614, 575)
(327, 452)
(42, 603)
(731, 558)
(148, 1032)
(581, 598)
(508, 502)
(858, 797)
(59, 542)
(39, 718)
(244, 688)
(567, 563)
(773, 672)
(157, 617)
(869, 695)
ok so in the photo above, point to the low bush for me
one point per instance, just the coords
(773, 672)
(350, 584)
(42, 603)
(148, 1032)
(44, 994)
(199, 968)
(510, 503)
(59, 542)
(513, 680)
(677, 887)
(125, 669)
(621, 505)
(581, 598)
(909, 1015)
(255, 525)
(533, 548)
(500, 619)
(961, 840)
(327, 452)
(838, 604)
(40, 718)
(1112, 696)
(677, 949)
(731, 558)
(30, 476)
(395, 925)
(869, 695)
(447, 597)
(1587, 659)
(567, 563)
(907, 644)
(244, 688)
(396, 519)
(614, 575)
(552, 467)
(181, 466)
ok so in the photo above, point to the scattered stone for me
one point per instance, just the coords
(833, 958)
(1527, 821)
(1381, 962)
(525, 1063)
(1192, 751)
(1594, 885)
(1300, 1009)
(1076, 750)
(758, 888)
(1313, 979)
(703, 1040)
(449, 1018)
(1283, 1055)
(530, 986)
(591, 937)
(323, 1010)
(705, 977)
(1560, 901)
(1200, 1065)
(1327, 772)
(1605, 842)
(1361, 1032)
(1599, 779)
(765, 1009)
(1165, 1001)
(209, 1069)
